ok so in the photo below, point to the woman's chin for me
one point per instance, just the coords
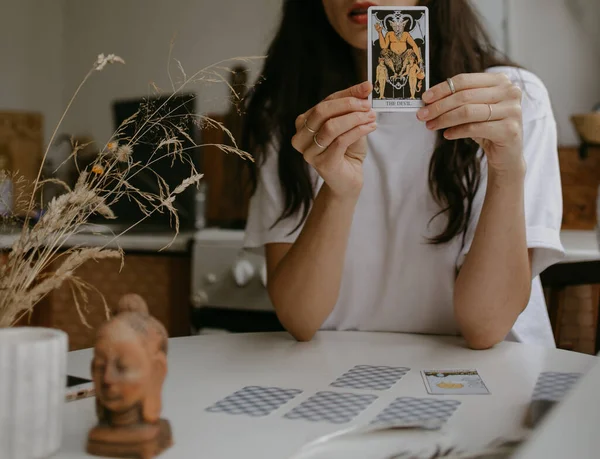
(359, 46)
(359, 43)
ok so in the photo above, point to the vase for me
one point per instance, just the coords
(33, 363)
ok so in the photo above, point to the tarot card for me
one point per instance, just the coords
(554, 386)
(254, 401)
(370, 377)
(455, 382)
(412, 409)
(334, 407)
(550, 389)
(398, 57)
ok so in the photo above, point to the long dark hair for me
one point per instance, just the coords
(308, 60)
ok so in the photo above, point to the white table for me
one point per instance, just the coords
(130, 242)
(205, 369)
(571, 429)
(580, 246)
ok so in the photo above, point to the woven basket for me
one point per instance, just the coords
(588, 127)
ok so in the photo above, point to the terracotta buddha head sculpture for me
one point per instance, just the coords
(129, 369)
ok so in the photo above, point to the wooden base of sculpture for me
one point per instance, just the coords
(137, 442)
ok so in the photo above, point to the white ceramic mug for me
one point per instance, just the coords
(33, 364)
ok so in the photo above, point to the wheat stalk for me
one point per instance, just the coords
(38, 261)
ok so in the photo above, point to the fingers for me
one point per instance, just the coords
(485, 107)
(476, 113)
(499, 132)
(463, 82)
(332, 119)
(309, 123)
(332, 130)
(334, 115)
(335, 127)
(339, 147)
(360, 91)
(333, 108)
(488, 95)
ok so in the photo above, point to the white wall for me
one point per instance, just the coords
(31, 52)
(140, 31)
(494, 15)
(47, 46)
(587, 13)
(546, 39)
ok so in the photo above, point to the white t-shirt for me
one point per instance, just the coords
(393, 279)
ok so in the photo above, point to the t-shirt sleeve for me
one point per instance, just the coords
(543, 196)
(266, 206)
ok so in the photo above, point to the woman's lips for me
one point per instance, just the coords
(360, 19)
(358, 13)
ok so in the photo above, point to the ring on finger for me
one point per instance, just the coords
(451, 84)
(316, 141)
(312, 131)
(491, 112)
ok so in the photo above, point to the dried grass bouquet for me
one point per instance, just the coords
(25, 276)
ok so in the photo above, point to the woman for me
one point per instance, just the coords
(428, 223)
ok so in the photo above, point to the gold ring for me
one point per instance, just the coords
(312, 131)
(491, 111)
(317, 142)
(451, 84)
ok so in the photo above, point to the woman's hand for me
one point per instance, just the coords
(331, 137)
(486, 108)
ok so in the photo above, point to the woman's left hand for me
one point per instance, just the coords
(486, 107)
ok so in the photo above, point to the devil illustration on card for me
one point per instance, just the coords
(398, 57)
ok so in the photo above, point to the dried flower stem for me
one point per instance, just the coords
(51, 141)
(38, 262)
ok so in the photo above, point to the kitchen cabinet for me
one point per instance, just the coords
(161, 277)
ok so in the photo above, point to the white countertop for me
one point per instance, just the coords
(205, 369)
(138, 241)
(580, 246)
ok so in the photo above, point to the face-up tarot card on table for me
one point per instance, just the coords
(398, 57)
(455, 382)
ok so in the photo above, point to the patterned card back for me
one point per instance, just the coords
(554, 385)
(370, 377)
(412, 409)
(254, 401)
(334, 407)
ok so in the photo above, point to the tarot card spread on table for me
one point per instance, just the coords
(412, 409)
(254, 401)
(334, 407)
(370, 377)
(398, 57)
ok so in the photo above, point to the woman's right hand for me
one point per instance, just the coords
(332, 138)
